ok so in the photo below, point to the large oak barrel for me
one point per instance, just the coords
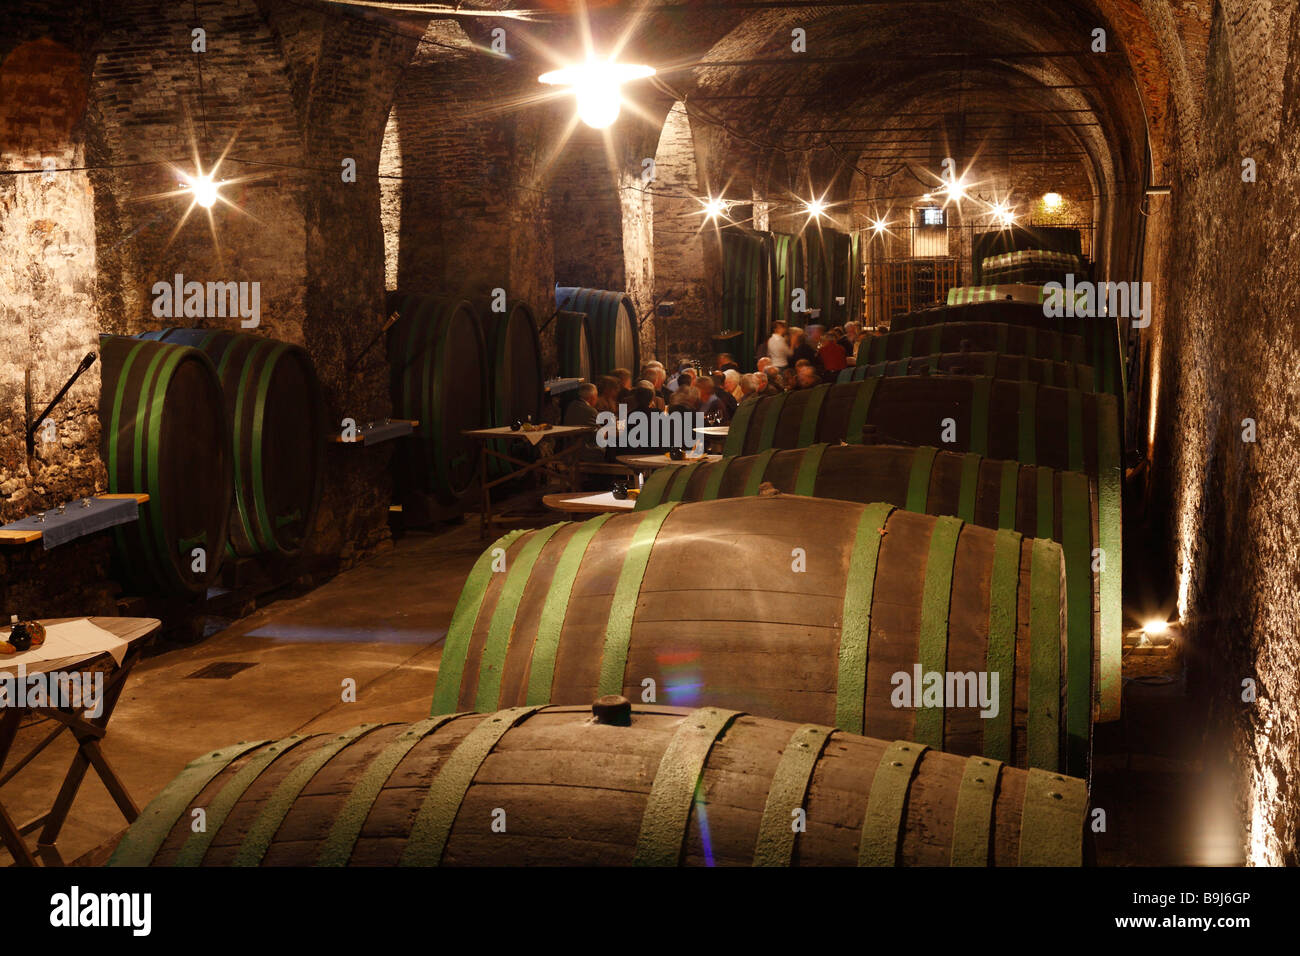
(972, 336)
(746, 284)
(708, 601)
(1101, 337)
(1019, 368)
(1037, 502)
(788, 275)
(645, 785)
(278, 426)
(437, 368)
(1063, 429)
(573, 342)
(615, 337)
(515, 358)
(164, 432)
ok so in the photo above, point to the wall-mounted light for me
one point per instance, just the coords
(715, 207)
(815, 208)
(597, 84)
(1052, 201)
(203, 188)
(1004, 216)
(879, 226)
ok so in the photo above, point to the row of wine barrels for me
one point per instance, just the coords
(276, 409)
(819, 278)
(644, 785)
(615, 337)
(972, 336)
(164, 432)
(1037, 502)
(746, 289)
(1017, 368)
(437, 369)
(1062, 429)
(824, 605)
(1102, 343)
(573, 342)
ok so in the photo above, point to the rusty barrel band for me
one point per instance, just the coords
(502, 625)
(1004, 583)
(918, 482)
(786, 794)
(855, 618)
(968, 490)
(735, 444)
(196, 845)
(714, 484)
(258, 836)
(455, 647)
(805, 482)
(1076, 545)
(882, 825)
(973, 819)
(336, 849)
(676, 786)
(860, 411)
(932, 642)
(618, 631)
(1043, 722)
(434, 819)
(550, 625)
(141, 843)
(771, 417)
(682, 479)
(812, 416)
(652, 494)
(1051, 820)
(757, 467)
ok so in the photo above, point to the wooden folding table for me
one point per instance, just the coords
(88, 732)
(557, 460)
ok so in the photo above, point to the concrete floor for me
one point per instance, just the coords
(381, 624)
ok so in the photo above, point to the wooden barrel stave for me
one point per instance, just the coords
(277, 414)
(569, 583)
(580, 793)
(993, 364)
(164, 432)
(437, 370)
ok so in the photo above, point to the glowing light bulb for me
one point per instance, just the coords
(814, 207)
(1052, 201)
(879, 226)
(714, 208)
(204, 190)
(1003, 215)
(597, 85)
(956, 191)
(1155, 627)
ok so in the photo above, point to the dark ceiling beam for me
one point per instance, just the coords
(804, 59)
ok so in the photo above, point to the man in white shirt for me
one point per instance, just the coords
(778, 349)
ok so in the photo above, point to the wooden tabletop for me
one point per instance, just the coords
(651, 462)
(586, 502)
(129, 629)
(505, 431)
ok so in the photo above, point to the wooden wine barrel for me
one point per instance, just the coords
(437, 369)
(819, 248)
(972, 336)
(1102, 344)
(164, 432)
(788, 276)
(278, 425)
(707, 600)
(615, 336)
(1019, 368)
(515, 359)
(746, 282)
(573, 341)
(1063, 429)
(637, 786)
(1037, 502)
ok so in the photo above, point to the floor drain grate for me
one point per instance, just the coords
(220, 670)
